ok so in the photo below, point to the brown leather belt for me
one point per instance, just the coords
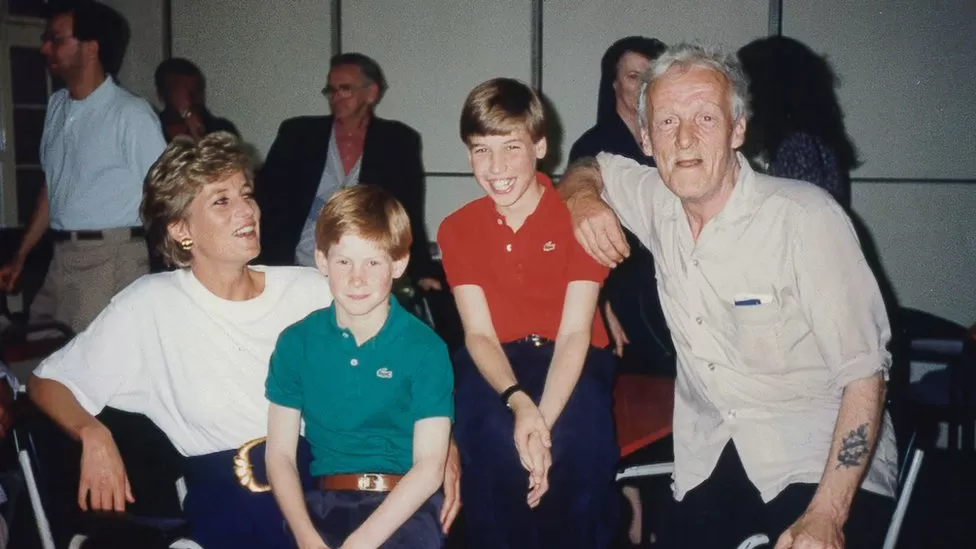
(367, 482)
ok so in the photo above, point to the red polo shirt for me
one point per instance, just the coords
(524, 274)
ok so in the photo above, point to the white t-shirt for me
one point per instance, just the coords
(192, 362)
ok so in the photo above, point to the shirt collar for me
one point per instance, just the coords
(394, 320)
(102, 94)
(739, 204)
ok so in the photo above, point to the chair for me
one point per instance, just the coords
(49, 462)
(642, 411)
(19, 347)
(930, 397)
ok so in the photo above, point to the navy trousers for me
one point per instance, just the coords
(336, 514)
(580, 510)
(225, 515)
(726, 510)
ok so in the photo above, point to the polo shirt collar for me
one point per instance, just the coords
(394, 320)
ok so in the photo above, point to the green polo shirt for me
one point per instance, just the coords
(360, 402)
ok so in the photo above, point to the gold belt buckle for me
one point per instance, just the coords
(536, 340)
(371, 482)
(243, 470)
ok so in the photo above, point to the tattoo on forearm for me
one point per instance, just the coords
(854, 448)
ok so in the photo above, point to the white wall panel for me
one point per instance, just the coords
(925, 234)
(264, 61)
(908, 83)
(433, 52)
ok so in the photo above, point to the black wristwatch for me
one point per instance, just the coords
(507, 394)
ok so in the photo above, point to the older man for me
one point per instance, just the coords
(314, 156)
(779, 422)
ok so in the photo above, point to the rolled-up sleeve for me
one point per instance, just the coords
(839, 295)
(629, 187)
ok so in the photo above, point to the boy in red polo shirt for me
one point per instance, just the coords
(535, 360)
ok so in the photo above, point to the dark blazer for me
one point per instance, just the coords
(287, 183)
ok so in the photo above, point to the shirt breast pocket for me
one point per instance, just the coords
(757, 329)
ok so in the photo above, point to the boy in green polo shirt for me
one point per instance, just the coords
(374, 386)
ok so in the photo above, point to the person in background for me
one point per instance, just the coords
(616, 130)
(182, 88)
(797, 125)
(374, 386)
(314, 156)
(631, 305)
(99, 141)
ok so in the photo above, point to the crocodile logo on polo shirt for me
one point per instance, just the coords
(549, 246)
(384, 373)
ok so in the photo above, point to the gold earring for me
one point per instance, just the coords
(186, 244)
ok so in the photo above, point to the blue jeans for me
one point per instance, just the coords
(580, 510)
(336, 514)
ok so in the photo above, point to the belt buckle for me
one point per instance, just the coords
(243, 470)
(536, 340)
(371, 482)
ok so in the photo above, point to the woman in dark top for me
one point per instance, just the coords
(632, 306)
(616, 130)
(797, 126)
(633, 310)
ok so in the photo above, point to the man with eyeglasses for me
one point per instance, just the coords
(314, 156)
(98, 143)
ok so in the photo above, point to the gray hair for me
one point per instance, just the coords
(686, 56)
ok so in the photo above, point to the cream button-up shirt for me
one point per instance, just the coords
(773, 311)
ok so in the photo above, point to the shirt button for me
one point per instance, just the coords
(354, 362)
(508, 247)
(732, 414)
(694, 262)
(345, 335)
(711, 367)
(698, 320)
(500, 221)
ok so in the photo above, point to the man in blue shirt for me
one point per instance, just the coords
(98, 144)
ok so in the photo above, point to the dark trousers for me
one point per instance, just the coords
(726, 510)
(580, 509)
(336, 514)
(631, 290)
(225, 515)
